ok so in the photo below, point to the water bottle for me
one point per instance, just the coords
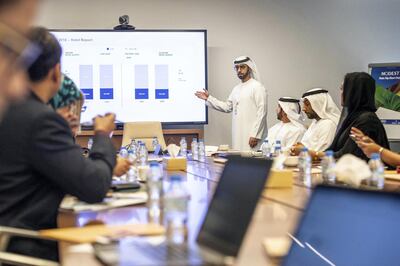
(131, 175)
(143, 154)
(183, 145)
(132, 145)
(304, 166)
(202, 151)
(377, 179)
(154, 143)
(266, 149)
(154, 193)
(123, 152)
(90, 143)
(277, 148)
(195, 150)
(328, 165)
(176, 211)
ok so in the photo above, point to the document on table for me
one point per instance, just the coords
(117, 200)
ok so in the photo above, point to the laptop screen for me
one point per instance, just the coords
(348, 227)
(232, 206)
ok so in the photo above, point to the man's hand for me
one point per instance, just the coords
(253, 142)
(296, 149)
(202, 94)
(122, 167)
(104, 123)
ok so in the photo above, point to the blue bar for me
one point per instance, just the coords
(141, 94)
(390, 121)
(88, 93)
(106, 93)
(162, 94)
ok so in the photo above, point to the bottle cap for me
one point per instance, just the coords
(154, 164)
(175, 178)
(375, 156)
(329, 153)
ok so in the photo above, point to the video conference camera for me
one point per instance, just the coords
(124, 23)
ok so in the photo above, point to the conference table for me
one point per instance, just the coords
(277, 214)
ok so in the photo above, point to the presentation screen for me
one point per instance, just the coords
(142, 75)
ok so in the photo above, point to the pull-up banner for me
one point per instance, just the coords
(387, 95)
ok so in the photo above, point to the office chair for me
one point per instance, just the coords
(16, 259)
(144, 131)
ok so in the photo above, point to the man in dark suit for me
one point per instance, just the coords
(39, 162)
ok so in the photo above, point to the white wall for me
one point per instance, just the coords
(297, 44)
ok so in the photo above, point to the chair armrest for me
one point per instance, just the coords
(7, 232)
(21, 260)
(12, 231)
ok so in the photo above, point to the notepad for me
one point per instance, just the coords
(118, 200)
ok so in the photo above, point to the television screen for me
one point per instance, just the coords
(142, 75)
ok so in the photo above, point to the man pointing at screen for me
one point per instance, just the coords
(248, 104)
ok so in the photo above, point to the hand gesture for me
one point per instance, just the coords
(296, 149)
(253, 142)
(122, 167)
(104, 123)
(202, 94)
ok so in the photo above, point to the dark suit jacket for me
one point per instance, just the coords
(39, 164)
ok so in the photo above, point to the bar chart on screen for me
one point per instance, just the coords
(145, 76)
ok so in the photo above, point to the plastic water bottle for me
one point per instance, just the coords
(132, 145)
(176, 201)
(90, 143)
(131, 175)
(123, 152)
(143, 154)
(154, 143)
(154, 193)
(277, 148)
(375, 164)
(202, 151)
(183, 145)
(305, 167)
(195, 150)
(328, 165)
(266, 149)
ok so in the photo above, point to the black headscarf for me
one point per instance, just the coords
(359, 92)
(358, 109)
(358, 97)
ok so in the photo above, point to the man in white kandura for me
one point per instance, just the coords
(318, 105)
(290, 129)
(248, 104)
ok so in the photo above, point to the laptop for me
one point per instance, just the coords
(222, 231)
(344, 226)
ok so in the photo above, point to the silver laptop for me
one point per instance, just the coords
(222, 231)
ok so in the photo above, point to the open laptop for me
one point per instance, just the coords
(348, 227)
(223, 229)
